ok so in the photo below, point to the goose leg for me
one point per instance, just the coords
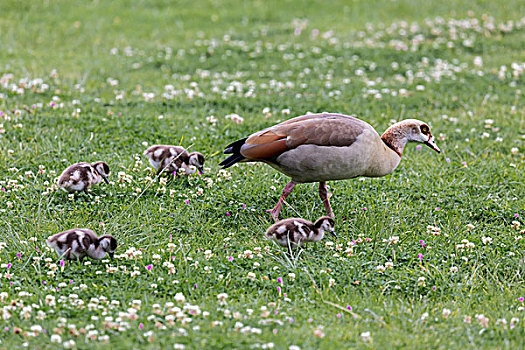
(286, 191)
(325, 197)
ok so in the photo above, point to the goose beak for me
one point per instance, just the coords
(111, 255)
(333, 234)
(430, 143)
(105, 179)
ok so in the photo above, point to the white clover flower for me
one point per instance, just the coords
(502, 322)
(36, 328)
(222, 297)
(482, 320)
(69, 344)
(267, 112)
(179, 298)
(433, 230)
(319, 333)
(393, 240)
(478, 61)
(212, 120)
(486, 240)
(103, 338)
(366, 336)
(237, 119)
(55, 338)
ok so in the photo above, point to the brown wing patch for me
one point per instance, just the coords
(317, 129)
(265, 136)
(265, 150)
(327, 131)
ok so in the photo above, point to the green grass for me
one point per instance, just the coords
(223, 57)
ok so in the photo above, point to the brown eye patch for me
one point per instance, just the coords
(424, 129)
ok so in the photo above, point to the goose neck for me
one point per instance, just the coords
(395, 138)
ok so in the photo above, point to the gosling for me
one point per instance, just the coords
(81, 176)
(174, 158)
(294, 232)
(78, 243)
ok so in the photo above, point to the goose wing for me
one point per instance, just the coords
(327, 129)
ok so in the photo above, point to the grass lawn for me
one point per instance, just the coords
(431, 256)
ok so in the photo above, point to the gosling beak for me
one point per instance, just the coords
(430, 143)
(333, 234)
(201, 170)
(105, 179)
(111, 255)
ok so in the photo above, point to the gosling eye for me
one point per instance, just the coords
(424, 129)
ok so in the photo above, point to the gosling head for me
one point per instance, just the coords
(108, 244)
(197, 159)
(324, 224)
(103, 169)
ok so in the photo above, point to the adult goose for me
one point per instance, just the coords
(327, 146)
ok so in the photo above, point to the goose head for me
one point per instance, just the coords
(103, 169)
(409, 130)
(108, 244)
(420, 132)
(197, 159)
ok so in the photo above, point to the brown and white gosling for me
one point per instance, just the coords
(173, 158)
(78, 243)
(294, 232)
(81, 176)
(327, 146)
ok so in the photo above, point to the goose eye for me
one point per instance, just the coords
(424, 129)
